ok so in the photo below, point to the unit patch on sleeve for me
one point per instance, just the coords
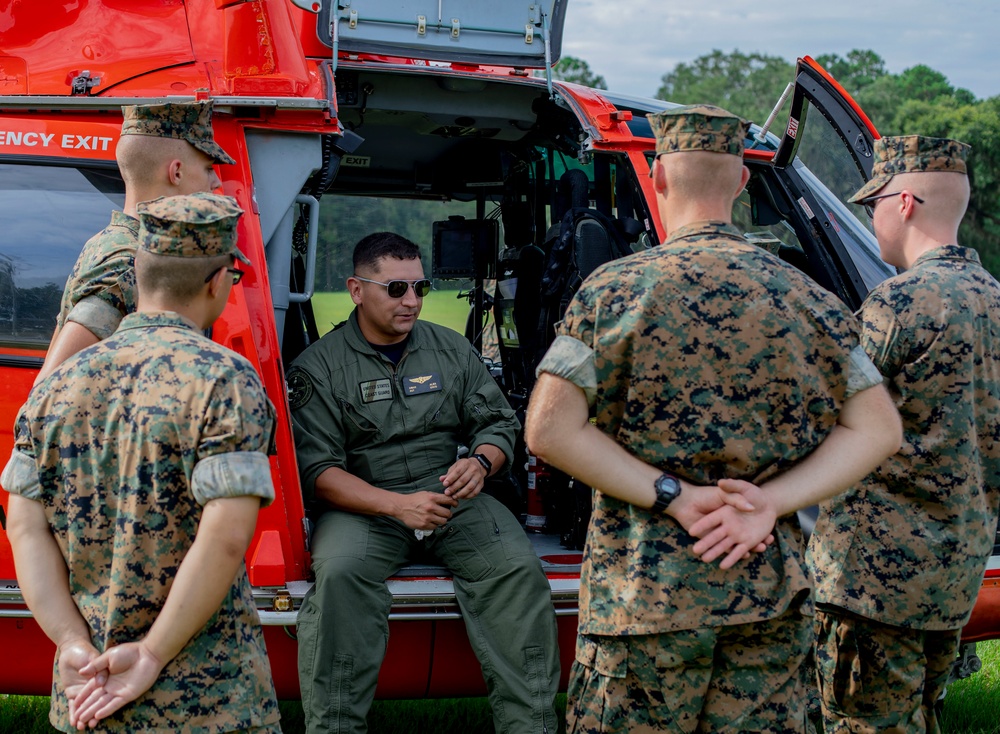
(300, 387)
(422, 383)
(373, 391)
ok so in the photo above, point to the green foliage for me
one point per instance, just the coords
(572, 69)
(858, 70)
(918, 100)
(747, 84)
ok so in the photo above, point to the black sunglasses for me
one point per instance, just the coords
(398, 288)
(235, 272)
(868, 201)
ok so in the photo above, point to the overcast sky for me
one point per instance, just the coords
(633, 43)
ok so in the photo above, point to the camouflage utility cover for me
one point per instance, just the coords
(192, 225)
(909, 545)
(912, 154)
(190, 121)
(101, 286)
(698, 128)
(711, 358)
(123, 444)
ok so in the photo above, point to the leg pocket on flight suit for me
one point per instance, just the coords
(464, 555)
(503, 528)
(852, 668)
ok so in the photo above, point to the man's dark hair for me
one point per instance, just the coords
(374, 247)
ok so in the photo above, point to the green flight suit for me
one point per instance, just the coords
(399, 427)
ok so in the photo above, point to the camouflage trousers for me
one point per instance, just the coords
(876, 677)
(743, 678)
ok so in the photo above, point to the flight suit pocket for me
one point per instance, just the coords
(464, 557)
(486, 410)
(503, 528)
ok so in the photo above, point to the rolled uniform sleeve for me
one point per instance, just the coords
(861, 372)
(20, 475)
(882, 336)
(235, 439)
(572, 360)
(97, 315)
(571, 355)
(103, 294)
(235, 474)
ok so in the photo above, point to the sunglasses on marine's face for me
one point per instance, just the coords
(398, 288)
(869, 202)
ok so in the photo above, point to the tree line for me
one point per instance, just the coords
(918, 100)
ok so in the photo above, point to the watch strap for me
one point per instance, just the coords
(664, 497)
(487, 464)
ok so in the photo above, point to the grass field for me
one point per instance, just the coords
(970, 708)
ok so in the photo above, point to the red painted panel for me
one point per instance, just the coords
(985, 621)
(113, 39)
(16, 382)
(23, 641)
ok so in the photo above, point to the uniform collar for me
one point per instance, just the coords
(949, 252)
(147, 319)
(713, 227)
(357, 340)
(121, 219)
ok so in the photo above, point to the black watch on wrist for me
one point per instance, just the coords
(487, 464)
(667, 487)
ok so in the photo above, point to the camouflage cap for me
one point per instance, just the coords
(912, 154)
(698, 128)
(193, 225)
(190, 121)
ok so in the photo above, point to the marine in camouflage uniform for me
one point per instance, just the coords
(169, 423)
(899, 559)
(101, 287)
(709, 358)
(392, 414)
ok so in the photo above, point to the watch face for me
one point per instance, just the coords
(667, 485)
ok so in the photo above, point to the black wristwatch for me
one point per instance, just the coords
(667, 488)
(487, 464)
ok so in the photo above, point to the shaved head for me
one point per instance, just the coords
(945, 194)
(142, 158)
(701, 175)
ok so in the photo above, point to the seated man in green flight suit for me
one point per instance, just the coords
(380, 407)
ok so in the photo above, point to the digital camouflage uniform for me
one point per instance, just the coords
(101, 286)
(899, 559)
(710, 358)
(169, 421)
(398, 427)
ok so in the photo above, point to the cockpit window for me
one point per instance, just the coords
(47, 213)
